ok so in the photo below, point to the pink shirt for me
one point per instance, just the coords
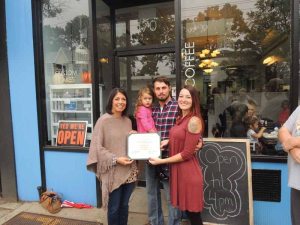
(283, 116)
(144, 119)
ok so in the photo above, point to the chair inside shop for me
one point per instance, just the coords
(252, 147)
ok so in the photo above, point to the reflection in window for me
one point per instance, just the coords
(66, 64)
(238, 55)
(139, 71)
(105, 57)
(145, 25)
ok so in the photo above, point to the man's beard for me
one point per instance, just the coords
(163, 99)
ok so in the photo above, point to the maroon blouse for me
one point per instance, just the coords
(186, 182)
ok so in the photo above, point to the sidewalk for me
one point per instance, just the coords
(137, 210)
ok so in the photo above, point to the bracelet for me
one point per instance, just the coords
(114, 160)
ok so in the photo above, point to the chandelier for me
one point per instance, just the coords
(207, 54)
(271, 60)
(207, 63)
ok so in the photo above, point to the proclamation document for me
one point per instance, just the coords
(143, 146)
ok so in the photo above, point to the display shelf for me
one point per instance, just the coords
(71, 102)
(73, 99)
(71, 111)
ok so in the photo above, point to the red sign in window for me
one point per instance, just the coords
(71, 133)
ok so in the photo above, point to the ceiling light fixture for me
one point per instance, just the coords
(208, 70)
(270, 60)
(103, 60)
(206, 55)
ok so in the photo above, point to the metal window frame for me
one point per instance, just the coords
(40, 74)
(149, 49)
(294, 92)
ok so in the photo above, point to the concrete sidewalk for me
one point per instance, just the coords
(137, 210)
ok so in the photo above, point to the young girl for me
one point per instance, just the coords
(252, 122)
(143, 111)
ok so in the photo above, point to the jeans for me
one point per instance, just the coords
(295, 206)
(117, 212)
(155, 212)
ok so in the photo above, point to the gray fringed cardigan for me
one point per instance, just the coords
(109, 141)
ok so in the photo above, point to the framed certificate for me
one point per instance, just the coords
(143, 146)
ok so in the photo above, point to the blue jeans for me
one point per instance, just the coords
(155, 212)
(295, 206)
(117, 212)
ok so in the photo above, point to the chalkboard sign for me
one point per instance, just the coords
(226, 167)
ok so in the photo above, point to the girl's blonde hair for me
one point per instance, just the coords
(144, 90)
(251, 120)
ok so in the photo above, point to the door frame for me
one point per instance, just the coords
(174, 48)
(151, 49)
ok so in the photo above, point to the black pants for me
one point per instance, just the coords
(195, 218)
(295, 206)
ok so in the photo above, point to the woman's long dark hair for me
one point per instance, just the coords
(112, 94)
(195, 109)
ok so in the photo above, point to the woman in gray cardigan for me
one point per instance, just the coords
(107, 158)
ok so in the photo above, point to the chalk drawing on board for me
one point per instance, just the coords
(223, 198)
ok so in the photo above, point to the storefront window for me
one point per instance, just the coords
(67, 64)
(139, 71)
(105, 57)
(145, 25)
(238, 55)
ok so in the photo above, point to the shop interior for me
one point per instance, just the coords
(239, 62)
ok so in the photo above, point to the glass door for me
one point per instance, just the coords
(152, 24)
(139, 71)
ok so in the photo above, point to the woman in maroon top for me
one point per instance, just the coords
(186, 181)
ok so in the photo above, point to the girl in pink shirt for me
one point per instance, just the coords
(143, 111)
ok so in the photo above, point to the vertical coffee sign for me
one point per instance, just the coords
(189, 62)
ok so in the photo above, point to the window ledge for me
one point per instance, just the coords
(269, 158)
(66, 149)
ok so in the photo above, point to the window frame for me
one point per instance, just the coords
(37, 17)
